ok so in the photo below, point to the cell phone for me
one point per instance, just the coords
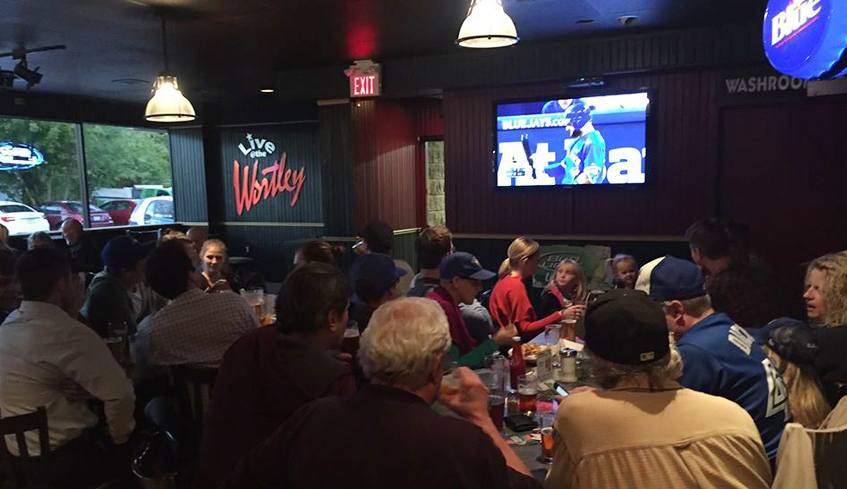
(561, 391)
(520, 422)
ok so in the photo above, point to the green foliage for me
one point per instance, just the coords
(116, 157)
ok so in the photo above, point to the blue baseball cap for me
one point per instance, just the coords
(668, 278)
(378, 270)
(124, 252)
(789, 338)
(465, 265)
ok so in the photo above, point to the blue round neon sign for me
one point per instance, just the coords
(806, 38)
(19, 156)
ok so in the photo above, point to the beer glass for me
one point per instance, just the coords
(497, 408)
(527, 391)
(350, 343)
(546, 423)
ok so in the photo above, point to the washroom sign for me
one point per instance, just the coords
(254, 185)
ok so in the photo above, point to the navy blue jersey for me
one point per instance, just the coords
(722, 359)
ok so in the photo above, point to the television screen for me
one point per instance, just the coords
(579, 141)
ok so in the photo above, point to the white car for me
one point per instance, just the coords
(153, 210)
(21, 219)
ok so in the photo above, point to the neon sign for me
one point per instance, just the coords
(253, 185)
(365, 79)
(19, 156)
(806, 38)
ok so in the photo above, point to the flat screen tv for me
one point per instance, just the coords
(572, 142)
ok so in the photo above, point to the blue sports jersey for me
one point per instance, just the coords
(722, 359)
(586, 154)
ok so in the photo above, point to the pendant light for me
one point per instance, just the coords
(168, 104)
(487, 26)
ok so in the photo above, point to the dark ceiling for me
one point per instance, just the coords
(228, 49)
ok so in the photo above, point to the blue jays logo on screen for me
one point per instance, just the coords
(806, 38)
(19, 156)
(589, 140)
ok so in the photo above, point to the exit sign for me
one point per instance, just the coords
(365, 80)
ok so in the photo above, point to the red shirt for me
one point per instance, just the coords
(510, 304)
(459, 333)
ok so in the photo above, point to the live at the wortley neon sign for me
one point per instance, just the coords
(252, 187)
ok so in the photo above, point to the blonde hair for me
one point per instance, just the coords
(520, 249)
(808, 405)
(657, 374)
(402, 340)
(581, 289)
(834, 291)
(504, 268)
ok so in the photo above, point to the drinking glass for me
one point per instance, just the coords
(569, 329)
(552, 333)
(256, 298)
(116, 340)
(497, 408)
(527, 391)
(350, 343)
(449, 383)
(546, 424)
(500, 366)
(268, 310)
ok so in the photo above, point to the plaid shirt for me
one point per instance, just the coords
(745, 297)
(195, 329)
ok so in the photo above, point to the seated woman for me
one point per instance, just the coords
(826, 307)
(791, 347)
(318, 251)
(216, 276)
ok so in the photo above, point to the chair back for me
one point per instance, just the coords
(194, 389)
(22, 471)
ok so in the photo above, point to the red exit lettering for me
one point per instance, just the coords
(364, 85)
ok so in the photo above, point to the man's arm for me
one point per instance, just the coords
(88, 362)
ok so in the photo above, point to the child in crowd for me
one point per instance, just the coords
(624, 270)
(566, 288)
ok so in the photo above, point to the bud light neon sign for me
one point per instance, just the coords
(806, 38)
(19, 156)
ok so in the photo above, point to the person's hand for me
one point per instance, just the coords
(504, 335)
(470, 401)
(575, 312)
(72, 391)
(219, 286)
(577, 390)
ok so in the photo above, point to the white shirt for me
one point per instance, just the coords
(40, 347)
(195, 329)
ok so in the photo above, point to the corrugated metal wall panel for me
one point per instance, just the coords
(272, 247)
(189, 175)
(337, 170)
(682, 155)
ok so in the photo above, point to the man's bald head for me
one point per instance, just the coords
(198, 236)
(71, 231)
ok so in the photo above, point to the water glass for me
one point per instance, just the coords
(552, 333)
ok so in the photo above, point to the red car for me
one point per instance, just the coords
(58, 211)
(119, 210)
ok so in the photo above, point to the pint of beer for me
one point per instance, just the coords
(350, 343)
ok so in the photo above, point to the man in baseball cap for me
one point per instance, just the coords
(109, 298)
(644, 426)
(720, 357)
(375, 279)
(461, 281)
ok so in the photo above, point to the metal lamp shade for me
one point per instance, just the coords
(487, 26)
(168, 104)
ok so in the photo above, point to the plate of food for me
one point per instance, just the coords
(531, 350)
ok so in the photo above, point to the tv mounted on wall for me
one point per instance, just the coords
(597, 140)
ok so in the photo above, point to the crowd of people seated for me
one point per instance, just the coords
(697, 363)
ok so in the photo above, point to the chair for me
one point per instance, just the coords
(194, 389)
(23, 471)
(813, 459)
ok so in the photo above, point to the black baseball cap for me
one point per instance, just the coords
(378, 270)
(791, 339)
(124, 252)
(465, 265)
(626, 327)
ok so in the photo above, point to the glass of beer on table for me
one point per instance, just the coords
(546, 423)
(527, 391)
(350, 343)
(497, 408)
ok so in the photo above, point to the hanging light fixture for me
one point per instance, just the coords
(168, 104)
(487, 26)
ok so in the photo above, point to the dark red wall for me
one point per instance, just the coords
(386, 159)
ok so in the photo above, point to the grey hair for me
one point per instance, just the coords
(657, 374)
(402, 340)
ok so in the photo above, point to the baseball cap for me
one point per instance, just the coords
(465, 265)
(124, 252)
(668, 278)
(378, 270)
(789, 338)
(626, 327)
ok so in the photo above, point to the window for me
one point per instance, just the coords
(127, 167)
(39, 166)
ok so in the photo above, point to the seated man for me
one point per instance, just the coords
(461, 281)
(644, 430)
(375, 278)
(720, 357)
(39, 239)
(10, 289)
(379, 238)
(270, 373)
(109, 295)
(197, 236)
(85, 257)
(386, 436)
(433, 244)
(43, 349)
(195, 328)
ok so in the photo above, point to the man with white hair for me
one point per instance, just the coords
(386, 436)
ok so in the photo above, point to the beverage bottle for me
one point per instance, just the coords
(517, 366)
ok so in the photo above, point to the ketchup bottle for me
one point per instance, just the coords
(517, 366)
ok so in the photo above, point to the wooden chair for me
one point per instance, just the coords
(194, 390)
(23, 471)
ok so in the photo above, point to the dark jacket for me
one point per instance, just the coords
(831, 361)
(108, 302)
(264, 378)
(379, 438)
(85, 256)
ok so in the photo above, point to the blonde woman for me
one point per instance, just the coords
(216, 276)
(509, 302)
(567, 288)
(826, 306)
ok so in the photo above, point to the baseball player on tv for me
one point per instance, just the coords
(585, 161)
